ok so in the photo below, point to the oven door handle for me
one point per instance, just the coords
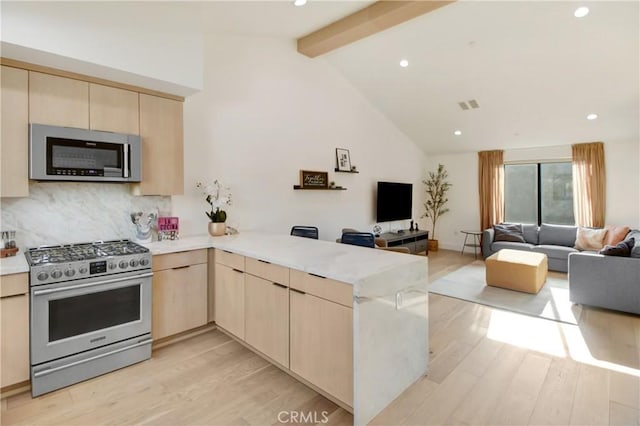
(93, 358)
(73, 287)
(125, 166)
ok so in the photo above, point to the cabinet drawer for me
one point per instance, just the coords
(176, 260)
(325, 288)
(232, 260)
(268, 271)
(11, 285)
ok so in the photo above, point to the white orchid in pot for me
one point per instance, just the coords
(217, 195)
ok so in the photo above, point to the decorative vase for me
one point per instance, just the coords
(433, 245)
(217, 229)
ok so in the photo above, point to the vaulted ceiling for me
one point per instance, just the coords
(533, 68)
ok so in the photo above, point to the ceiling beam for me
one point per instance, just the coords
(363, 23)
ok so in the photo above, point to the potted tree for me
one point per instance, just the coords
(436, 188)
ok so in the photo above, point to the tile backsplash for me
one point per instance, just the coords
(70, 212)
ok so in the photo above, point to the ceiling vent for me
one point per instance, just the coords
(470, 103)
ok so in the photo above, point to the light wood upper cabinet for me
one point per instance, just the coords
(14, 340)
(58, 101)
(161, 131)
(267, 318)
(179, 292)
(113, 110)
(14, 137)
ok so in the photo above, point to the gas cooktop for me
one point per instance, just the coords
(52, 264)
(84, 251)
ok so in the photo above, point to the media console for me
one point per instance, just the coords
(415, 241)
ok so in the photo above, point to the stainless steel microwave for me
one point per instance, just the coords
(70, 154)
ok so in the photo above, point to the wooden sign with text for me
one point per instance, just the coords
(310, 179)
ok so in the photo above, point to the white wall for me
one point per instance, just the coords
(623, 186)
(265, 113)
(463, 198)
(55, 34)
(622, 162)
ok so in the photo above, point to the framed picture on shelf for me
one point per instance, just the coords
(343, 159)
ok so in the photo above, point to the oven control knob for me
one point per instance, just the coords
(70, 272)
(113, 265)
(83, 270)
(133, 263)
(56, 274)
(42, 276)
(123, 265)
(144, 262)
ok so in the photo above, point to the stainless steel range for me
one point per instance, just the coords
(90, 311)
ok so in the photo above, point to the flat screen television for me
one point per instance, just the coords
(395, 201)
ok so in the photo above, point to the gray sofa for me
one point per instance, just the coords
(556, 241)
(605, 281)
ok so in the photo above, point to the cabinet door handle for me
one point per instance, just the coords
(227, 251)
(264, 261)
(298, 291)
(316, 275)
(13, 295)
(238, 270)
(181, 267)
(279, 285)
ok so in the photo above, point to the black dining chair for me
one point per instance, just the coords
(305, 231)
(363, 239)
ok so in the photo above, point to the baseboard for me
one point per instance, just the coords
(169, 340)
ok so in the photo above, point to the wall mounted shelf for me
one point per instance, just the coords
(319, 189)
(345, 171)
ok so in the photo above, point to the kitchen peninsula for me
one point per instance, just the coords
(350, 322)
(380, 295)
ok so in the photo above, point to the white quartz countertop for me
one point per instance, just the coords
(14, 264)
(341, 262)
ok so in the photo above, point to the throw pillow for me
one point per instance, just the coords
(615, 234)
(590, 239)
(635, 251)
(508, 232)
(622, 249)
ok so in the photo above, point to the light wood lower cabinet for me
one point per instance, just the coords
(229, 299)
(14, 340)
(322, 344)
(179, 292)
(301, 321)
(267, 317)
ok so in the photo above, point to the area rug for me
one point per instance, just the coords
(552, 302)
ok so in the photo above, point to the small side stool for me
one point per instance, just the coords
(475, 236)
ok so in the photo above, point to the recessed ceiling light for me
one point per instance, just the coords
(404, 63)
(581, 12)
(592, 116)
(458, 132)
(299, 2)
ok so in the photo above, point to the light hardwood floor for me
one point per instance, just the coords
(487, 367)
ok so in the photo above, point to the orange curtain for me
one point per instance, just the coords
(491, 187)
(588, 184)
